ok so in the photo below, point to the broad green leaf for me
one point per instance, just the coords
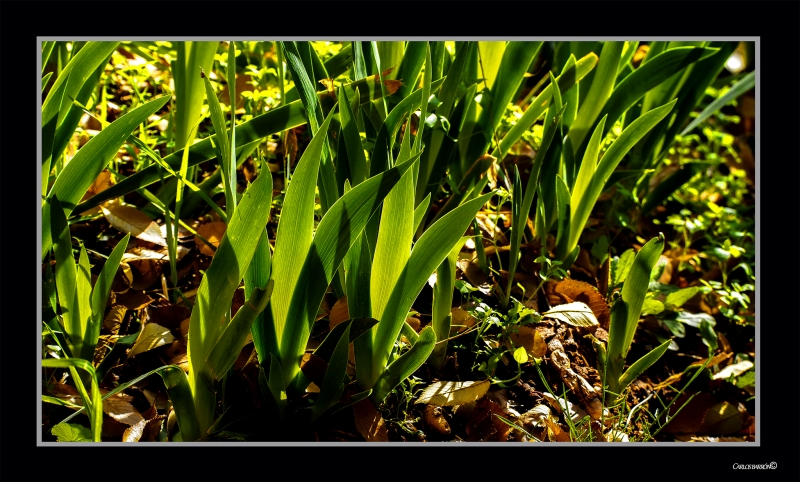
(257, 276)
(652, 307)
(227, 348)
(73, 182)
(678, 298)
(642, 364)
(612, 157)
(101, 290)
(516, 58)
(582, 189)
(622, 267)
(409, 68)
(357, 327)
(217, 288)
(442, 303)
(667, 186)
(49, 124)
(357, 161)
(404, 366)
(635, 287)
(69, 432)
(336, 233)
(428, 253)
(599, 92)
(295, 231)
(420, 211)
(77, 71)
(193, 57)
(542, 102)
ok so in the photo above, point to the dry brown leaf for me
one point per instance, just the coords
(484, 425)
(213, 232)
(152, 336)
(733, 370)
(128, 219)
(182, 360)
(433, 417)
(554, 431)
(118, 407)
(114, 318)
(575, 314)
(134, 432)
(529, 338)
(100, 184)
(139, 253)
(569, 290)
(134, 299)
(414, 323)
(369, 422)
(461, 320)
(313, 367)
(339, 313)
(454, 393)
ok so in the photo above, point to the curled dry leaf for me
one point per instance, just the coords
(570, 290)
(369, 422)
(118, 407)
(128, 219)
(454, 393)
(213, 232)
(152, 336)
(733, 370)
(139, 253)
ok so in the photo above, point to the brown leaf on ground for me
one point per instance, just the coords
(434, 419)
(213, 232)
(474, 275)
(103, 181)
(113, 319)
(690, 418)
(145, 273)
(454, 393)
(139, 253)
(118, 407)
(461, 321)
(128, 219)
(134, 299)
(722, 419)
(529, 338)
(570, 290)
(152, 336)
(369, 422)
(314, 368)
(484, 426)
(339, 313)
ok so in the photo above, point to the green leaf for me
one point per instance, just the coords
(541, 103)
(357, 161)
(428, 253)
(295, 229)
(193, 57)
(599, 92)
(404, 366)
(636, 284)
(739, 88)
(49, 124)
(642, 364)
(217, 288)
(73, 182)
(647, 76)
(621, 268)
(676, 299)
(223, 144)
(227, 348)
(336, 233)
(652, 307)
(101, 290)
(70, 432)
(93, 403)
(247, 133)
